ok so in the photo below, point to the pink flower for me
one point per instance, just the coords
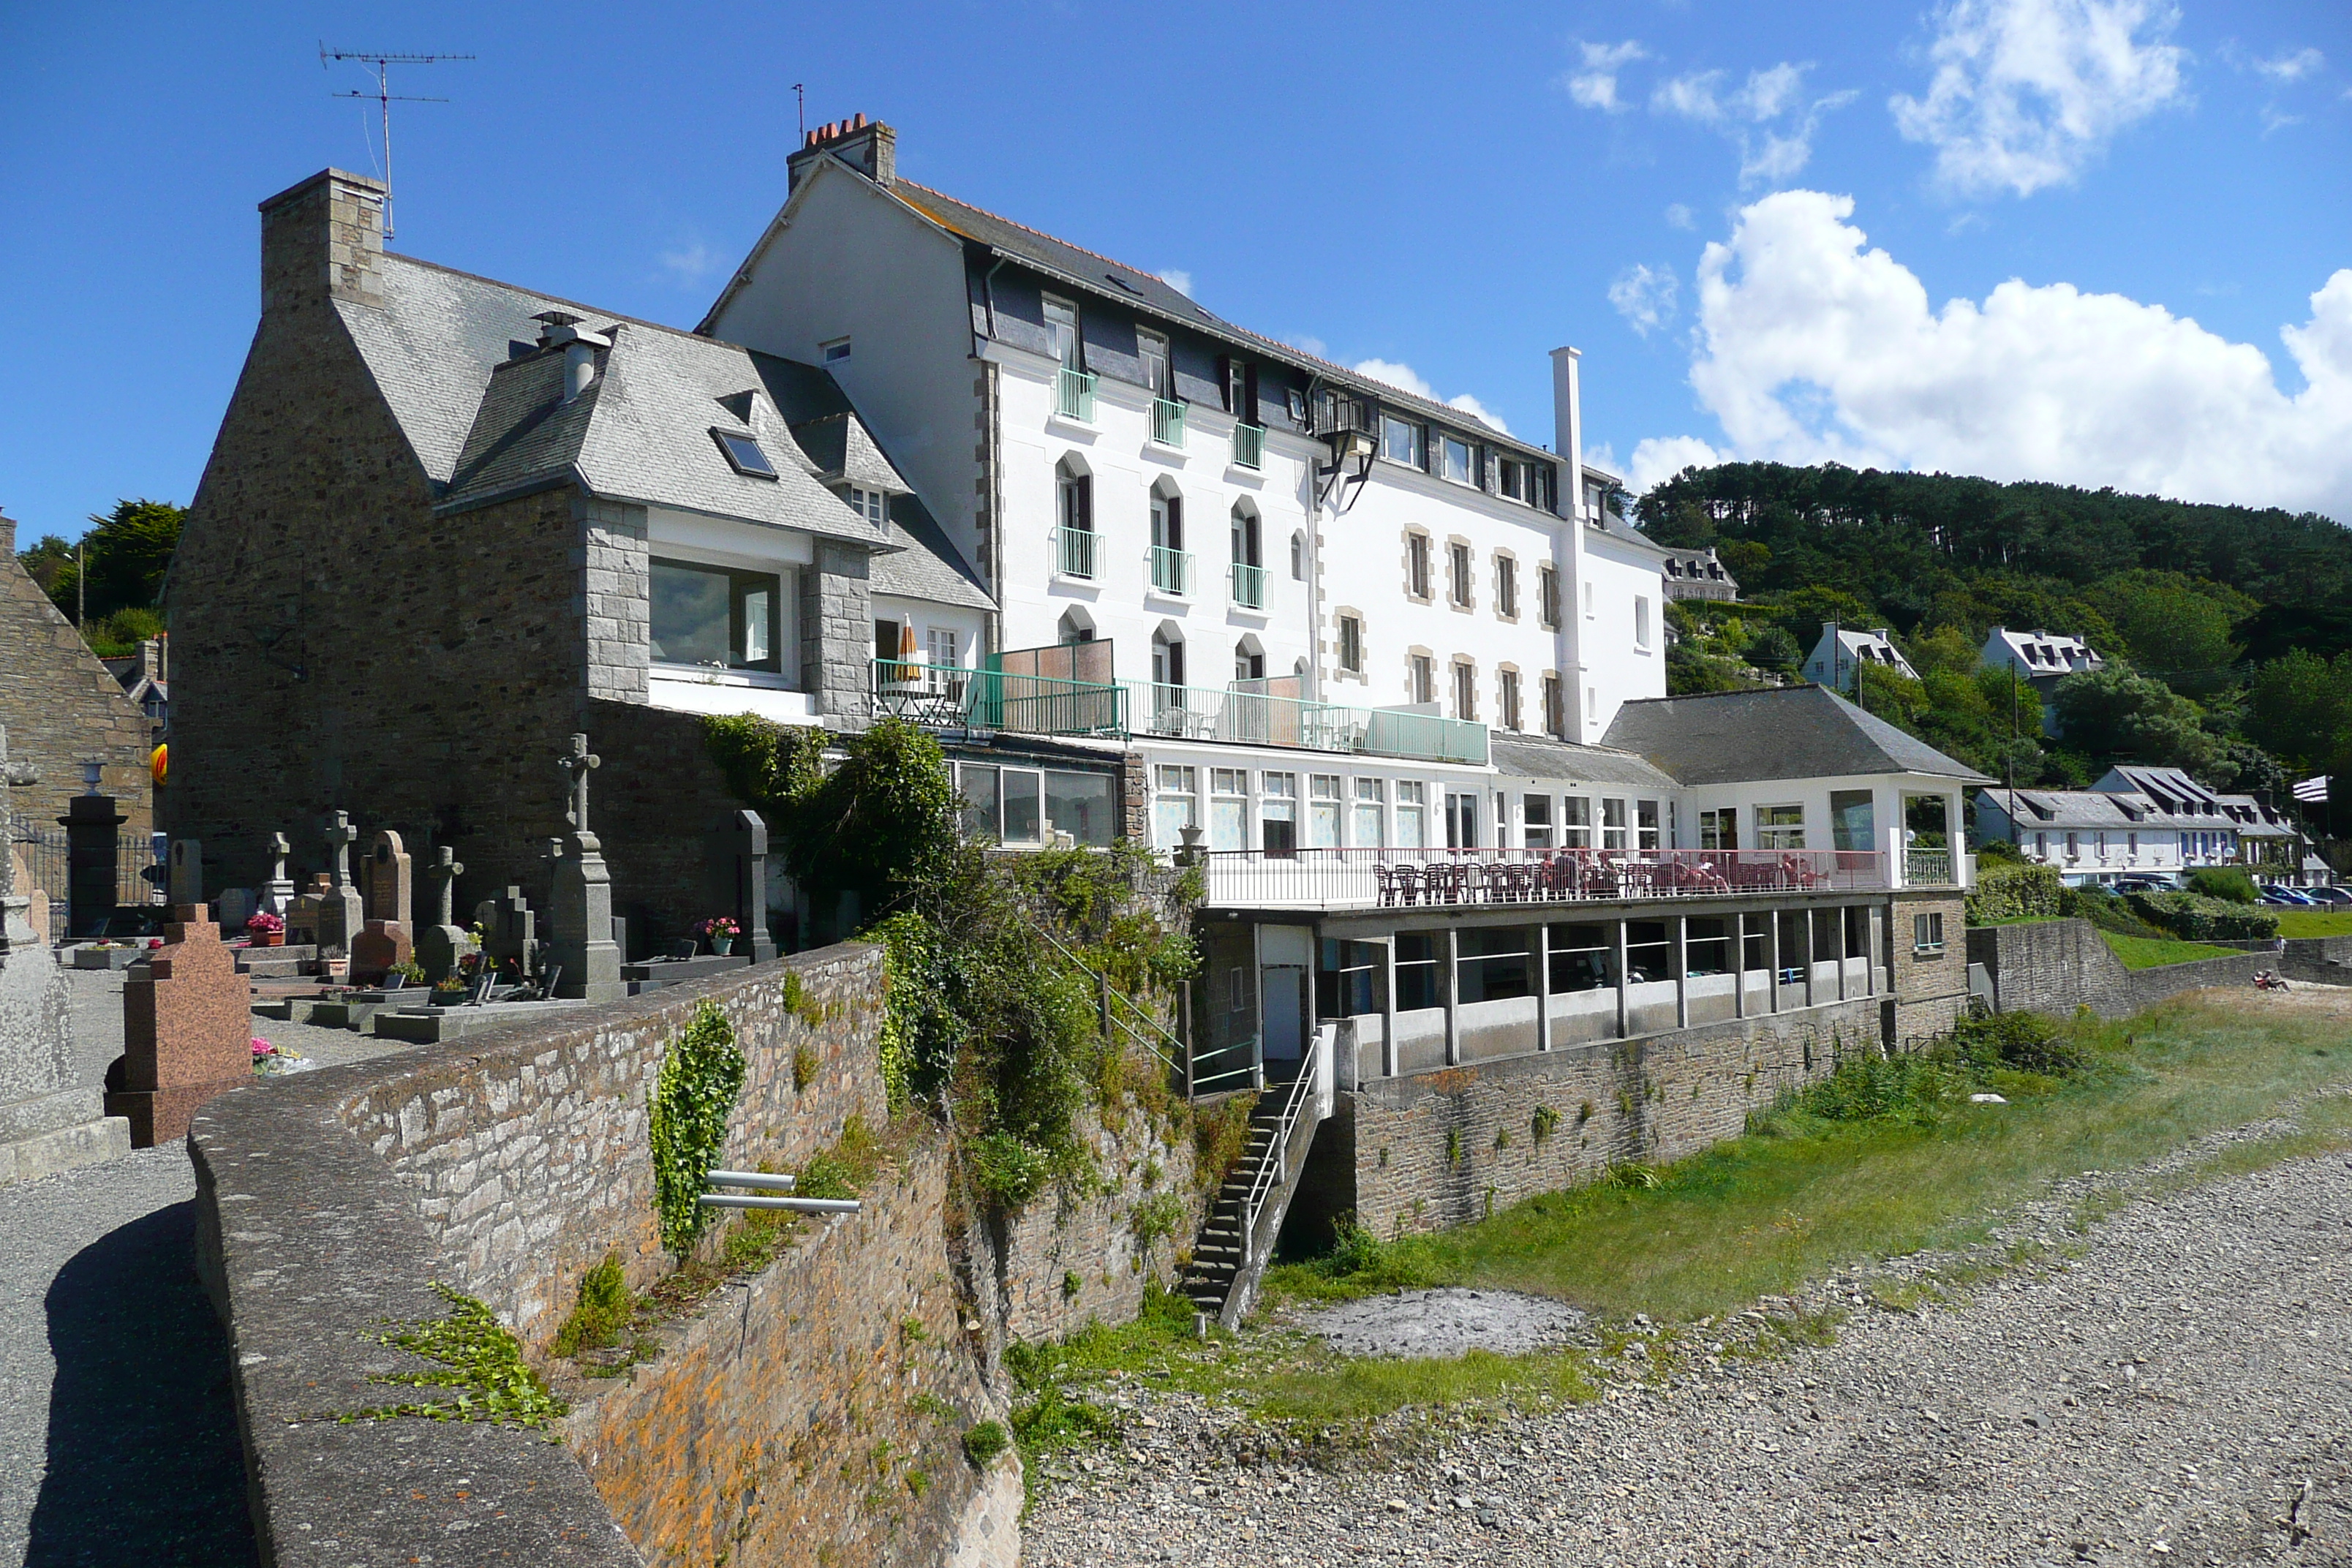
(154, 942)
(262, 1047)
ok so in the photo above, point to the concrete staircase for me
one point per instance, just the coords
(1237, 1240)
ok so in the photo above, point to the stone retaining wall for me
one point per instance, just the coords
(2056, 966)
(1441, 1149)
(787, 1422)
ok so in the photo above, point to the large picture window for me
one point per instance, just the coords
(718, 616)
(1780, 828)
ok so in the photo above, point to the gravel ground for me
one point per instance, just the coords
(2179, 1391)
(118, 1433)
(1444, 1322)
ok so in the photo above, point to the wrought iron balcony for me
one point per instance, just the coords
(1172, 570)
(1247, 584)
(1249, 446)
(1074, 394)
(1074, 552)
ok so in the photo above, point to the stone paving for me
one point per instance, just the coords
(117, 1435)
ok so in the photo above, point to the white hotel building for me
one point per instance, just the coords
(1371, 649)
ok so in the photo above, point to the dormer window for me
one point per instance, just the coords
(743, 454)
(1402, 441)
(835, 353)
(874, 506)
(1454, 460)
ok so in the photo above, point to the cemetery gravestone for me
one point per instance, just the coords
(48, 1121)
(509, 930)
(385, 944)
(580, 920)
(441, 944)
(186, 883)
(341, 914)
(278, 893)
(305, 914)
(233, 908)
(187, 1031)
(738, 860)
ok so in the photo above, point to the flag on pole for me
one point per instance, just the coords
(2312, 792)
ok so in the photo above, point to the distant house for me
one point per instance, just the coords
(1837, 659)
(1697, 575)
(145, 678)
(62, 708)
(2137, 821)
(2043, 658)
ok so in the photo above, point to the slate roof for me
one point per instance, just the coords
(1785, 733)
(1537, 757)
(2047, 810)
(456, 358)
(1129, 285)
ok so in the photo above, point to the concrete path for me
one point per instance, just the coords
(118, 1432)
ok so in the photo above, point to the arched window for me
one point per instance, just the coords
(1249, 658)
(1074, 513)
(1171, 564)
(1298, 557)
(1076, 626)
(1167, 657)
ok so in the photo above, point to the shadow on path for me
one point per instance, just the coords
(144, 1464)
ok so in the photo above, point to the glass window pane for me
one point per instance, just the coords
(1852, 824)
(977, 786)
(1080, 805)
(689, 614)
(1023, 816)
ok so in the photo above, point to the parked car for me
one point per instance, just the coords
(2285, 899)
(2141, 885)
(2336, 898)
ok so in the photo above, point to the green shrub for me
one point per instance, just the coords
(2027, 1042)
(2192, 917)
(602, 1313)
(1006, 1170)
(985, 1442)
(2013, 891)
(686, 1120)
(843, 1170)
(1155, 1220)
(2107, 911)
(2227, 883)
(1543, 1124)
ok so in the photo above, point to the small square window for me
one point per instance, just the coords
(1400, 441)
(836, 352)
(874, 506)
(1454, 460)
(744, 454)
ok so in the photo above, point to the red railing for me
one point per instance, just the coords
(1413, 879)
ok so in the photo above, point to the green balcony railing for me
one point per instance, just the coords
(1074, 552)
(953, 698)
(1172, 570)
(942, 696)
(1248, 585)
(1249, 446)
(1167, 422)
(1074, 394)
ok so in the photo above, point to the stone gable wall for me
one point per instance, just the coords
(2056, 966)
(61, 708)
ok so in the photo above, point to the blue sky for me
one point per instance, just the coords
(2095, 229)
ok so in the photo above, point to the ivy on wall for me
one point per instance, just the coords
(686, 1120)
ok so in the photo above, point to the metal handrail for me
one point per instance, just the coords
(1249, 446)
(1103, 983)
(1278, 1150)
(1168, 422)
(1171, 569)
(1074, 394)
(1248, 585)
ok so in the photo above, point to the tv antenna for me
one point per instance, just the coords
(386, 98)
(800, 97)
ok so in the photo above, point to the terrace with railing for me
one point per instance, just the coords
(1330, 880)
(953, 698)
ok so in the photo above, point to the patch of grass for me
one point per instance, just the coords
(602, 1313)
(2154, 952)
(2313, 922)
(1802, 1194)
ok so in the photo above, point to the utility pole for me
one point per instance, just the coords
(386, 98)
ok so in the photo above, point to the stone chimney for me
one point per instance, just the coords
(324, 240)
(866, 145)
(7, 535)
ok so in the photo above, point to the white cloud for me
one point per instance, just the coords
(1660, 458)
(1813, 348)
(2026, 92)
(691, 264)
(1595, 85)
(1679, 216)
(1404, 378)
(1769, 116)
(1644, 296)
(1176, 277)
(2291, 66)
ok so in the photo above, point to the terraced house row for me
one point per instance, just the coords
(1395, 675)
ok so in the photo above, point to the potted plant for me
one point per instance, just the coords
(263, 929)
(721, 932)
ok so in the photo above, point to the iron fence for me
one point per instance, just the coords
(1410, 878)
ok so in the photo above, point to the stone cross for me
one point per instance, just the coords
(446, 870)
(579, 763)
(340, 834)
(279, 849)
(13, 775)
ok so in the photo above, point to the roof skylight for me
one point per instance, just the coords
(743, 453)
